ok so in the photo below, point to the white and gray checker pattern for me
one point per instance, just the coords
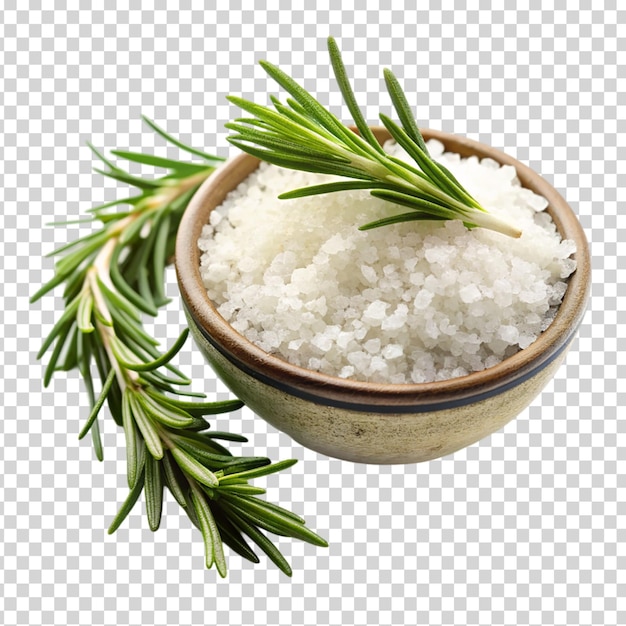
(525, 527)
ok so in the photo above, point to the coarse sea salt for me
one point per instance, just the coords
(413, 302)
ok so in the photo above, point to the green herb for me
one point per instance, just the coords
(301, 134)
(111, 277)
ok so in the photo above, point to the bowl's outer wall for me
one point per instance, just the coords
(370, 437)
(318, 410)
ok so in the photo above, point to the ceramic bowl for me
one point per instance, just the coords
(370, 422)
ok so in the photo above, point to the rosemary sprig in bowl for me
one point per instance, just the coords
(302, 134)
(111, 278)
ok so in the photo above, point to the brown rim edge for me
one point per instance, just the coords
(285, 375)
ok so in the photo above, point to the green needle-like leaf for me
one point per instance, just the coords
(97, 441)
(314, 190)
(416, 216)
(125, 289)
(173, 478)
(150, 434)
(159, 258)
(232, 537)
(83, 317)
(154, 492)
(64, 321)
(123, 177)
(150, 159)
(201, 408)
(164, 358)
(129, 503)
(213, 543)
(259, 538)
(242, 490)
(118, 302)
(99, 404)
(403, 110)
(168, 415)
(56, 353)
(213, 160)
(273, 519)
(132, 439)
(134, 230)
(348, 95)
(257, 472)
(194, 468)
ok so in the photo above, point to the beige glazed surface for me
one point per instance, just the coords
(368, 422)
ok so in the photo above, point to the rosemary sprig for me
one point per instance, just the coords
(111, 277)
(302, 134)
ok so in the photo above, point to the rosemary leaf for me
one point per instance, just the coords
(184, 167)
(213, 544)
(173, 477)
(191, 466)
(129, 503)
(146, 426)
(246, 475)
(132, 437)
(260, 539)
(163, 413)
(99, 404)
(153, 492)
(165, 358)
(97, 441)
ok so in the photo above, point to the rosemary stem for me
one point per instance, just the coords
(493, 222)
(112, 276)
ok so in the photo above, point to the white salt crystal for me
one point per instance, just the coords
(489, 164)
(372, 346)
(358, 359)
(435, 148)
(492, 360)
(440, 254)
(397, 319)
(369, 273)
(538, 203)
(566, 248)
(458, 371)
(378, 364)
(525, 340)
(392, 351)
(344, 339)
(557, 292)
(416, 278)
(510, 334)
(567, 267)
(333, 245)
(323, 342)
(271, 338)
(360, 333)
(247, 264)
(375, 312)
(422, 299)
(469, 293)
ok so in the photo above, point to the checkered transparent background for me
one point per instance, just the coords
(525, 527)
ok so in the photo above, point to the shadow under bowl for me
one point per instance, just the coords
(370, 422)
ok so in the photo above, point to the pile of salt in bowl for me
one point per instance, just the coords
(409, 303)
